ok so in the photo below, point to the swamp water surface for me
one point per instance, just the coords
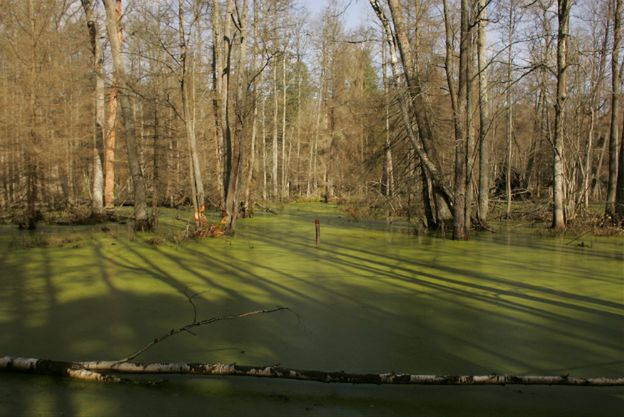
(371, 298)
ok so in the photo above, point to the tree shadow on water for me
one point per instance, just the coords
(371, 312)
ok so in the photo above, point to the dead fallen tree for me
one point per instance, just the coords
(109, 371)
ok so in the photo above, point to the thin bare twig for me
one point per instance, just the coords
(187, 328)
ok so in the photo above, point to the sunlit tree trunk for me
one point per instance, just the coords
(247, 204)
(111, 135)
(97, 203)
(484, 116)
(197, 187)
(315, 137)
(140, 204)
(388, 178)
(284, 179)
(274, 147)
(597, 79)
(298, 179)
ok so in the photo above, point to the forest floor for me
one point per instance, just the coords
(374, 296)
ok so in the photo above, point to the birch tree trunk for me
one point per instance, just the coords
(96, 371)
(563, 15)
(140, 205)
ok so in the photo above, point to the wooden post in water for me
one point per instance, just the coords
(317, 226)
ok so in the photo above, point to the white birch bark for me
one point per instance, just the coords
(96, 371)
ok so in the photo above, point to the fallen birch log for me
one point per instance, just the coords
(99, 371)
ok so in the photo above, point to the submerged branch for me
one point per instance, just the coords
(98, 370)
(187, 328)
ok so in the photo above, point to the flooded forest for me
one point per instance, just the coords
(320, 208)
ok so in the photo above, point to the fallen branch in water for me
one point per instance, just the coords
(195, 323)
(98, 371)
(73, 370)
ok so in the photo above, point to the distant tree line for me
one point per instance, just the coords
(433, 110)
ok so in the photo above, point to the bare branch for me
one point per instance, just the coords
(186, 328)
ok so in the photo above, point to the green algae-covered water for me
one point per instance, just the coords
(372, 297)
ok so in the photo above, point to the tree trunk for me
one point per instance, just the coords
(615, 110)
(315, 137)
(218, 101)
(274, 147)
(484, 117)
(426, 135)
(619, 197)
(247, 204)
(111, 135)
(508, 173)
(422, 122)
(263, 149)
(140, 204)
(284, 179)
(96, 371)
(469, 131)
(597, 78)
(388, 177)
(31, 151)
(563, 14)
(197, 187)
(97, 202)
(234, 130)
(459, 220)
(228, 46)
